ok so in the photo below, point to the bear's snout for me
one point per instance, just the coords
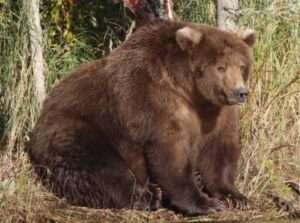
(240, 94)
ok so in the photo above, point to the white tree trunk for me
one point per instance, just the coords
(35, 34)
(227, 14)
(167, 9)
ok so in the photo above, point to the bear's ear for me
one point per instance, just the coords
(188, 37)
(249, 37)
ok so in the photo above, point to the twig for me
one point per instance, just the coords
(276, 148)
(294, 186)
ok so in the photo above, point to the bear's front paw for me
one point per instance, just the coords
(239, 202)
(192, 208)
(216, 205)
(196, 211)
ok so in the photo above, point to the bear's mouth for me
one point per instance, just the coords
(230, 99)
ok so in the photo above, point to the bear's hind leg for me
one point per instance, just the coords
(78, 165)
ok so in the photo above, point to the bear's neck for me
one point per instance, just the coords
(175, 68)
(209, 115)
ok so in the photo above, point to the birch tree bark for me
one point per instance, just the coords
(37, 61)
(227, 14)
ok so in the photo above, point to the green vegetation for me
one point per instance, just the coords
(76, 32)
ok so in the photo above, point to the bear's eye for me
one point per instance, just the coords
(243, 68)
(221, 68)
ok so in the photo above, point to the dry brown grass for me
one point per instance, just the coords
(23, 199)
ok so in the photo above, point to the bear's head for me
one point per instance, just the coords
(219, 61)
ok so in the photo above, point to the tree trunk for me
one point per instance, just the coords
(37, 61)
(148, 10)
(227, 14)
(167, 11)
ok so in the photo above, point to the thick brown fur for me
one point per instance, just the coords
(155, 110)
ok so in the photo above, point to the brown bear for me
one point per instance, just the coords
(157, 109)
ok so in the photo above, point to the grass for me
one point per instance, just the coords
(270, 120)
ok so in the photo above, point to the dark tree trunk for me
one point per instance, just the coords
(148, 10)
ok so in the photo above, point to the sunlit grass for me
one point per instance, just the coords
(271, 121)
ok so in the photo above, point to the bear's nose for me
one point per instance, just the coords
(241, 94)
